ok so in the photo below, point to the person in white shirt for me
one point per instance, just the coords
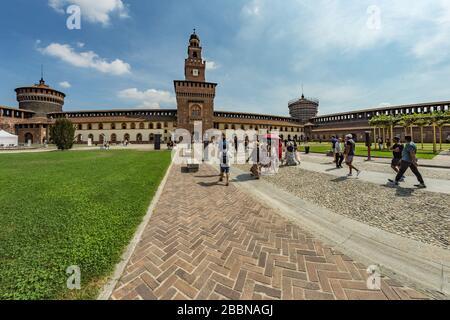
(339, 150)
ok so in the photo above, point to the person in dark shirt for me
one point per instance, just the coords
(350, 147)
(397, 151)
(333, 147)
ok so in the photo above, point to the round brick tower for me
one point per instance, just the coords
(304, 109)
(40, 98)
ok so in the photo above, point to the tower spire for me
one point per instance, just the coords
(303, 94)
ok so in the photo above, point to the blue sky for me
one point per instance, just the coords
(350, 54)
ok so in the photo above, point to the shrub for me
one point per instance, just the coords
(63, 134)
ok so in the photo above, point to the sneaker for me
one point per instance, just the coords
(350, 175)
(358, 173)
(393, 182)
(420, 186)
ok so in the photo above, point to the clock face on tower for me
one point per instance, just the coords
(195, 72)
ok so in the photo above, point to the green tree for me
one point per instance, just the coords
(62, 134)
(386, 123)
(406, 121)
(422, 120)
(442, 119)
(375, 122)
(435, 120)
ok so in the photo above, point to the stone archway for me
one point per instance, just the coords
(28, 137)
(102, 138)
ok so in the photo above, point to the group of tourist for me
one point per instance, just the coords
(106, 145)
(404, 157)
(265, 157)
(344, 150)
(380, 143)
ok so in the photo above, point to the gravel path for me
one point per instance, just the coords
(376, 167)
(411, 213)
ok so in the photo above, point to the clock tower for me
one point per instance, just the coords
(194, 66)
(195, 96)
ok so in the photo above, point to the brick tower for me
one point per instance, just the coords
(195, 96)
(40, 98)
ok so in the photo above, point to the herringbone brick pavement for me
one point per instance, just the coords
(207, 241)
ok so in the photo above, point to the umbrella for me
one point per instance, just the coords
(272, 136)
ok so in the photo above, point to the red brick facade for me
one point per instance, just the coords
(195, 103)
(195, 96)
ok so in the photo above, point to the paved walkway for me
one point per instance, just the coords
(433, 185)
(440, 161)
(207, 241)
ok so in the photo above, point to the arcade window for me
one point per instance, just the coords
(196, 112)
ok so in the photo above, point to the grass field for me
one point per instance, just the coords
(59, 209)
(361, 150)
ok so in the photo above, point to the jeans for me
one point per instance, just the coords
(336, 158)
(404, 166)
(340, 160)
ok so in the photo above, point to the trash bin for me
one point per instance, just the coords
(307, 150)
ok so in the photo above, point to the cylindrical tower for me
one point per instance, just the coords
(40, 98)
(304, 109)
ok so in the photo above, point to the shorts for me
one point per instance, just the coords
(225, 170)
(350, 159)
(396, 162)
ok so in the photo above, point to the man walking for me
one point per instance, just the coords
(350, 147)
(397, 150)
(333, 147)
(339, 153)
(409, 160)
(224, 160)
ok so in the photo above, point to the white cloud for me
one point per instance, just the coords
(97, 11)
(150, 98)
(253, 8)
(211, 65)
(65, 85)
(87, 59)
(421, 28)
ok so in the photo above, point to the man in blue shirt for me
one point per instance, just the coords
(409, 160)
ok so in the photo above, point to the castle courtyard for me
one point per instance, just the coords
(281, 150)
(206, 241)
(299, 234)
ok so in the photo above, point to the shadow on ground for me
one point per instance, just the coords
(210, 176)
(244, 178)
(208, 184)
(400, 191)
(340, 179)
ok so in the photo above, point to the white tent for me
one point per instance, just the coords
(7, 139)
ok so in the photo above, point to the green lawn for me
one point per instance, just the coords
(361, 150)
(59, 209)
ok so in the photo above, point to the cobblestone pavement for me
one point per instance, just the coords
(415, 214)
(207, 241)
(433, 173)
